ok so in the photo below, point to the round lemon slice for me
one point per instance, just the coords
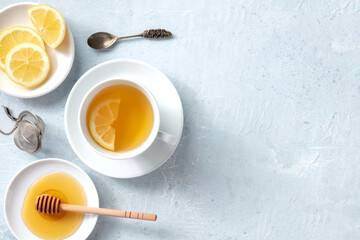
(49, 23)
(27, 64)
(101, 123)
(13, 36)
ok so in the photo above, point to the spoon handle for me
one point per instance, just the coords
(151, 33)
(131, 36)
(108, 212)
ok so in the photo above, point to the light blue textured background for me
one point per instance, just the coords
(271, 95)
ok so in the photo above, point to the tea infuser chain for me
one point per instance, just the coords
(7, 111)
(10, 132)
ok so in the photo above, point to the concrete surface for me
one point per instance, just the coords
(271, 96)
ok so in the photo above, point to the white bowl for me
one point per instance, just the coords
(61, 58)
(20, 184)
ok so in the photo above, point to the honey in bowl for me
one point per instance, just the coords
(120, 118)
(62, 225)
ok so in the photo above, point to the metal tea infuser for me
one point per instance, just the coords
(28, 134)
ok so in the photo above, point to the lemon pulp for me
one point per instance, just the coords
(49, 23)
(13, 36)
(27, 64)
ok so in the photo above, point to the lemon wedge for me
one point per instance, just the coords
(27, 64)
(101, 121)
(49, 23)
(13, 36)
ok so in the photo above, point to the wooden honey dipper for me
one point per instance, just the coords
(45, 203)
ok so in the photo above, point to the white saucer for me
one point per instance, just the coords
(20, 184)
(171, 117)
(61, 58)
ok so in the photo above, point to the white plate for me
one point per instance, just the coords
(20, 184)
(61, 58)
(171, 117)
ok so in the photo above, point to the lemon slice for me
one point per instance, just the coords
(13, 36)
(101, 123)
(49, 22)
(27, 64)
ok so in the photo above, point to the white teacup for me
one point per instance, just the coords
(155, 132)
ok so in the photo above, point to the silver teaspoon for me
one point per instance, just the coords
(101, 40)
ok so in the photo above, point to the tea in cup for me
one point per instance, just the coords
(120, 119)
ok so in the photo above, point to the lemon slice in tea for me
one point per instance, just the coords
(101, 123)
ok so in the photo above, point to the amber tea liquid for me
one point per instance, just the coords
(135, 118)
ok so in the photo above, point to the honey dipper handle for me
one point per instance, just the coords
(108, 212)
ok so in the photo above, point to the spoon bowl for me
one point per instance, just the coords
(101, 40)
